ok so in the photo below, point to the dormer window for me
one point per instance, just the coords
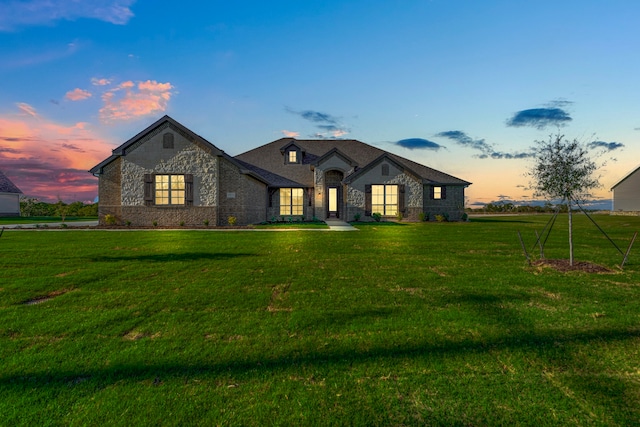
(293, 156)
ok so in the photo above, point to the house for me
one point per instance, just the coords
(168, 175)
(626, 192)
(9, 197)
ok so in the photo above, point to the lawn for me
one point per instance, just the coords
(43, 219)
(412, 324)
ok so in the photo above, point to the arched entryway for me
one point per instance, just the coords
(333, 193)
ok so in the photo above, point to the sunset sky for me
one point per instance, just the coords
(463, 86)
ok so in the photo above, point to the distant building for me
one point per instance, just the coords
(9, 197)
(626, 193)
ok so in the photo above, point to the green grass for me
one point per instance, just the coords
(418, 324)
(43, 219)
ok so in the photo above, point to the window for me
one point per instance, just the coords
(437, 192)
(384, 199)
(169, 190)
(291, 201)
(293, 156)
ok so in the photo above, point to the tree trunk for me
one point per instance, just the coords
(570, 234)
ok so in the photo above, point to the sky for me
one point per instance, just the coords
(464, 86)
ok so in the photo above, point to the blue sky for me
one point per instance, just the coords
(466, 87)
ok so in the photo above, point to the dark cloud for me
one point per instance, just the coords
(539, 118)
(486, 150)
(73, 147)
(608, 146)
(330, 126)
(462, 138)
(419, 143)
(521, 155)
(317, 117)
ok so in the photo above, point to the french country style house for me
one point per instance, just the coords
(168, 175)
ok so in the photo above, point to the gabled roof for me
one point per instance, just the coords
(185, 132)
(269, 157)
(624, 178)
(6, 186)
(338, 153)
(165, 120)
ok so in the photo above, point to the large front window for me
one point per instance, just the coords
(384, 199)
(291, 201)
(169, 190)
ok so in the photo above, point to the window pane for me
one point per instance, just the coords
(293, 158)
(285, 201)
(177, 182)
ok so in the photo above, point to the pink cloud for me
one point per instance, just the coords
(48, 160)
(100, 82)
(128, 100)
(290, 134)
(26, 108)
(77, 95)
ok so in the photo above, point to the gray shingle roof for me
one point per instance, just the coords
(270, 158)
(6, 186)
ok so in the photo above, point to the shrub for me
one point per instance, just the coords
(441, 218)
(181, 223)
(424, 216)
(465, 217)
(110, 219)
(399, 216)
(128, 223)
(315, 219)
(206, 222)
(155, 223)
(232, 220)
(356, 217)
(376, 216)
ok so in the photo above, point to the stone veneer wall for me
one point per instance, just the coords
(121, 188)
(355, 198)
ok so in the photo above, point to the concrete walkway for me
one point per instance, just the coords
(337, 225)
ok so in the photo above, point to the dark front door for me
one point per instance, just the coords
(333, 202)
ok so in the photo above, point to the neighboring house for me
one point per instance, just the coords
(169, 175)
(9, 197)
(626, 192)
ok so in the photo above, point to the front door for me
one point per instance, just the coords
(332, 200)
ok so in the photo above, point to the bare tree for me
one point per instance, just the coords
(563, 170)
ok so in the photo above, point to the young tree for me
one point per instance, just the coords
(563, 170)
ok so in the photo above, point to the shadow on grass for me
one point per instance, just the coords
(544, 345)
(187, 256)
